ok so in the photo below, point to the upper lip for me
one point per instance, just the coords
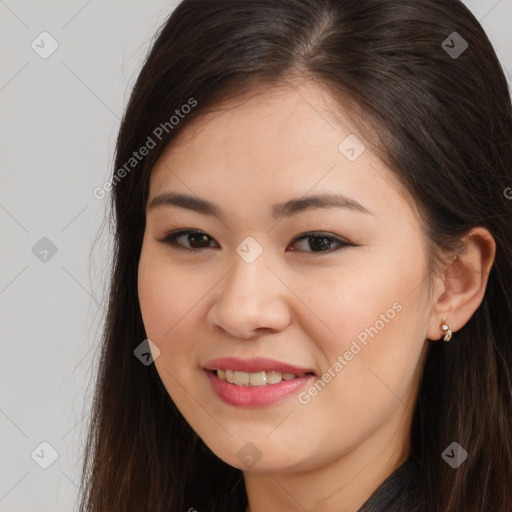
(258, 364)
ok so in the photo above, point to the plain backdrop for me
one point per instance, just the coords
(59, 116)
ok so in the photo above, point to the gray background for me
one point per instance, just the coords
(58, 124)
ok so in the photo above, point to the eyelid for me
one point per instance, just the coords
(170, 237)
(319, 234)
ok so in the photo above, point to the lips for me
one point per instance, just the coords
(232, 380)
(259, 396)
(260, 364)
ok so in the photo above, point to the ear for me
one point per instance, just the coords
(460, 289)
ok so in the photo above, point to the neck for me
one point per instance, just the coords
(341, 485)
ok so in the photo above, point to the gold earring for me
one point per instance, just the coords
(446, 329)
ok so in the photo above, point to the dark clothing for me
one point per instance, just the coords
(399, 492)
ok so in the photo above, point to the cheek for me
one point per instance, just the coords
(358, 299)
(172, 302)
(373, 316)
(165, 299)
(166, 294)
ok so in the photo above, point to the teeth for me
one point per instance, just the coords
(241, 378)
(255, 379)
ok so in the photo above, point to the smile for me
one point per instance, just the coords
(265, 391)
(256, 379)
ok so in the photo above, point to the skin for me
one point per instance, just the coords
(298, 306)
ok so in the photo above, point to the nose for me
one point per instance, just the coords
(251, 299)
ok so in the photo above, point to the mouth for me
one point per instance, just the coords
(257, 365)
(256, 379)
(257, 382)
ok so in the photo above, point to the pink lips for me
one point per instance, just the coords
(255, 396)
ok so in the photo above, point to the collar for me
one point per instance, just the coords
(399, 492)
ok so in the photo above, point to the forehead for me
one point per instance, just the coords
(270, 145)
(285, 118)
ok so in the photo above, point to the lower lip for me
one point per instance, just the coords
(255, 396)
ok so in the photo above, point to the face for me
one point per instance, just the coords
(329, 300)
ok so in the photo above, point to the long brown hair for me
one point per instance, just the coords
(444, 119)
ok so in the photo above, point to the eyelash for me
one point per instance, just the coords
(170, 239)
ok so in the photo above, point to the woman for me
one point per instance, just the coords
(309, 306)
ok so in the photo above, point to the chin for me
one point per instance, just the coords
(256, 457)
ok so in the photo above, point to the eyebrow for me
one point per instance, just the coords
(285, 209)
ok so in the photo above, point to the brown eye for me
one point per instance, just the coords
(321, 242)
(195, 239)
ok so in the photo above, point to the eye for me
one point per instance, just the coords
(322, 242)
(196, 239)
(318, 241)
